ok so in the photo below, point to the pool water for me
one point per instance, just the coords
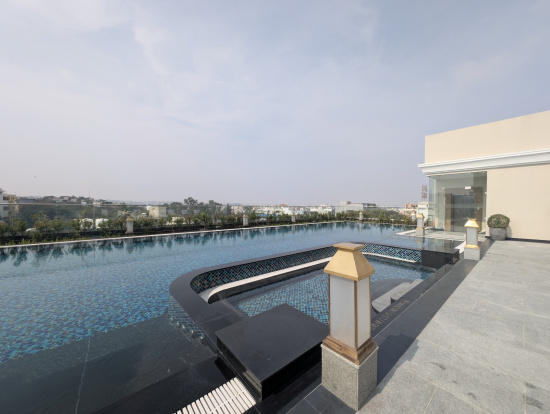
(85, 324)
(73, 291)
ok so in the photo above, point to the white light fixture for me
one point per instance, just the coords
(420, 225)
(471, 249)
(472, 230)
(349, 354)
(349, 303)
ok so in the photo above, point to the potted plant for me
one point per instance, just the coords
(497, 226)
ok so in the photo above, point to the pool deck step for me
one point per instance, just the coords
(387, 299)
(269, 351)
(231, 398)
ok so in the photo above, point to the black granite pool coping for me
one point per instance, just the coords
(267, 351)
(211, 317)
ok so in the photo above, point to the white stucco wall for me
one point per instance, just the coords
(524, 133)
(522, 194)
(517, 185)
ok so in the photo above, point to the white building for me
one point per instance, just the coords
(8, 207)
(349, 206)
(157, 211)
(321, 210)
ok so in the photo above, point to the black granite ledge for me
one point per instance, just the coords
(213, 316)
(269, 350)
(221, 314)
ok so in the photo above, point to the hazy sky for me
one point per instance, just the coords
(255, 101)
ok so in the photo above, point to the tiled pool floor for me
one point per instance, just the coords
(309, 293)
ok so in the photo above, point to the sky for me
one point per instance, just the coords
(264, 102)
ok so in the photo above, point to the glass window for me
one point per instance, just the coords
(453, 198)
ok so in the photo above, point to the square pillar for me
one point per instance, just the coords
(349, 354)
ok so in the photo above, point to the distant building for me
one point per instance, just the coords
(26, 200)
(157, 212)
(237, 209)
(8, 207)
(321, 210)
(346, 206)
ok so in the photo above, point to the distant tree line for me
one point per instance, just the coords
(55, 222)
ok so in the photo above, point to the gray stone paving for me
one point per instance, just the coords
(487, 350)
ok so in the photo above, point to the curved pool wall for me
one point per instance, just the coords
(240, 272)
(195, 314)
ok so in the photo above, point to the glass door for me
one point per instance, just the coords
(462, 208)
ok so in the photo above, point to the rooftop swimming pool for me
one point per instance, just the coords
(80, 314)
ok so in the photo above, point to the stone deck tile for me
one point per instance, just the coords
(488, 347)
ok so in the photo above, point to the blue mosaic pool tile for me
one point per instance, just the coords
(310, 296)
(220, 277)
(232, 274)
(398, 252)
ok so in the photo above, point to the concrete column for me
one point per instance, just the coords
(293, 218)
(245, 220)
(349, 354)
(360, 216)
(129, 225)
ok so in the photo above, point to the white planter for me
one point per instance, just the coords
(497, 233)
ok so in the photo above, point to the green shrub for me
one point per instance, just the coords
(498, 221)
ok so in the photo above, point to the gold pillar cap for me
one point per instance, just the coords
(130, 218)
(471, 223)
(349, 262)
(420, 216)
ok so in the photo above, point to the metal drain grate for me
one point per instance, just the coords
(231, 398)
